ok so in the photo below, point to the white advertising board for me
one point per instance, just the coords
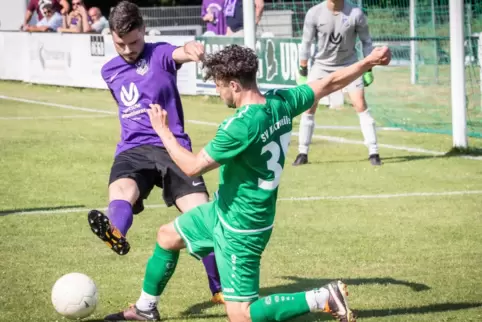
(71, 59)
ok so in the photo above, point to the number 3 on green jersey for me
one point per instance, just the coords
(273, 163)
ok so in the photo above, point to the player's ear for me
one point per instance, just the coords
(235, 86)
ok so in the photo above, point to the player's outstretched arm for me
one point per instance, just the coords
(191, 164)
(343, 77)
(191, 51)
(309, 32)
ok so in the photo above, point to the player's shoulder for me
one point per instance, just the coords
(162, 47)
(242, 119)
(279, 94)
(353, 10)
(111, 67)
(316, 8)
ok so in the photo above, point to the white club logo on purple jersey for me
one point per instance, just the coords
(131, 96)
(142, 67)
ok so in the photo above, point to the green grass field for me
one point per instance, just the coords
(406, 237)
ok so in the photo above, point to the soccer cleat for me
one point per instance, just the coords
(337, 304)
(218, 298)
(375, 159)
(134, 314)
(100, 225)
(301, 159)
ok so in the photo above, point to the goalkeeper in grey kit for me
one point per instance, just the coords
(336, 24)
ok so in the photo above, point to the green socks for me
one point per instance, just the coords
(159, 270)
(279, 307)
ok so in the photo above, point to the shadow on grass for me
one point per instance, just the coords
(365, 313)
(410, 157)
(454, 152)
(300, 284)
(27, 210)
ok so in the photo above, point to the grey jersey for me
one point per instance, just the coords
(336, 35)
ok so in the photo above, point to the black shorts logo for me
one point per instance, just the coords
(335, 39)
(97, 47)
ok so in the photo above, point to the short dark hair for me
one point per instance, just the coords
(234, 62)
(124, 18)
(47, 6)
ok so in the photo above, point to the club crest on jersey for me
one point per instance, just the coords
(142, 67)
(345, 21)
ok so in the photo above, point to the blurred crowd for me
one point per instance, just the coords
(58, 16)
(222, 17)
(225, 17)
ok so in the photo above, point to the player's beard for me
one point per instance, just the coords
(131, 58)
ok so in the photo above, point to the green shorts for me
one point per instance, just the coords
(238, 254)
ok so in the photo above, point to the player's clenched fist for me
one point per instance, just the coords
(194, 50)
(158, 117)
(380, 56)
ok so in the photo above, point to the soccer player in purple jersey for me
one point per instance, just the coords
(144, 73)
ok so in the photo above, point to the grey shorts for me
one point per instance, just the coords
(318, 72)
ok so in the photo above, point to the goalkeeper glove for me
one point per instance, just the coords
(368, 78)
(302, 75)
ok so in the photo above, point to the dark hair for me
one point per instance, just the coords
(47, 6)
(232, 63)
(124, 18)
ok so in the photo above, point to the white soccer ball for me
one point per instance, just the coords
(74, 296)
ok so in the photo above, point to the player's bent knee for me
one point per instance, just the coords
(358, 100)
(360, 107)
(124, 189)
(312, 109)
(238, 311)
(168, 238)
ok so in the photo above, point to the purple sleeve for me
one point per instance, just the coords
(203, 9)
(163, 53)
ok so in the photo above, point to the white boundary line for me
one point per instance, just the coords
(352, 127)
(67, 107)
(321, 137)
(315, 198)
(21, 118)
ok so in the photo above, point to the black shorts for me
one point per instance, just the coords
(150, 166)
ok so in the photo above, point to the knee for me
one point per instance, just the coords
(168, 238)
(238, 313)
(359, 104)
(312, 109)
(124, 189)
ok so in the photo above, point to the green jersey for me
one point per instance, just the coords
(251, 147)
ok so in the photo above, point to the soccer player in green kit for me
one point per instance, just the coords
(250, 148)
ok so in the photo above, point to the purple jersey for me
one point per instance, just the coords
(216, 7)
(152, 79)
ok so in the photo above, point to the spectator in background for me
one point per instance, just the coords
(50, 22)
(77, 20)
(99, 22)
(61, 6)
(233, 9)
(212, 12)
